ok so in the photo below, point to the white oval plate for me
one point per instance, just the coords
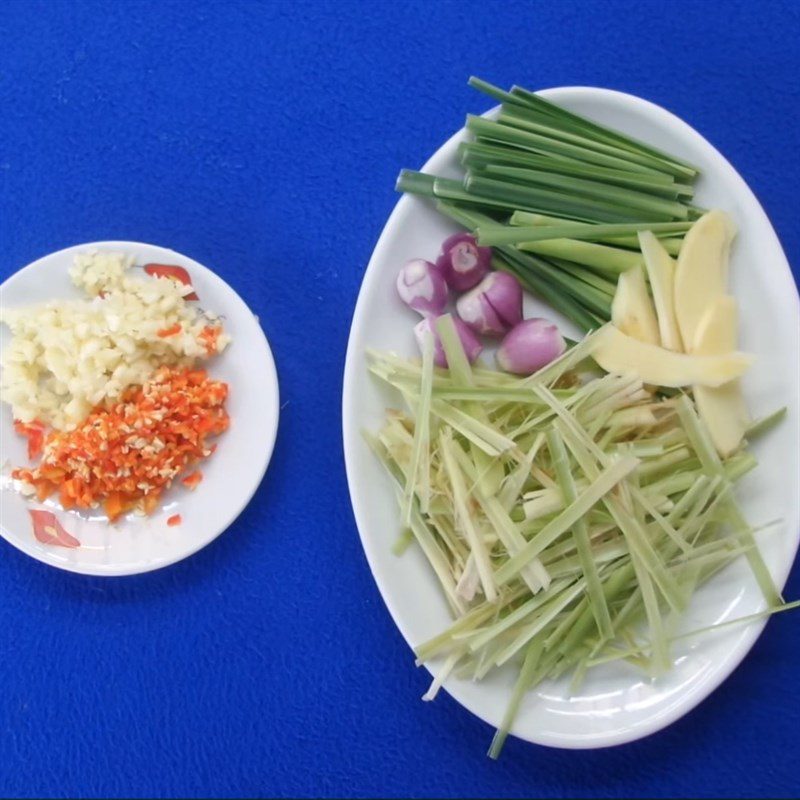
(230, 476)
(617, 703)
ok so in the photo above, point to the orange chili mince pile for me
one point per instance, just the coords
(123, 457)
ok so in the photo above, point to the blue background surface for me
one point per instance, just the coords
(263, 139)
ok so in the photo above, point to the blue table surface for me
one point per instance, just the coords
(263, 139)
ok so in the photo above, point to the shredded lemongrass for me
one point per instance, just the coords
(568, 518)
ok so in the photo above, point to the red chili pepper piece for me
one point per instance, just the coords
(171, 271)
(34, 433)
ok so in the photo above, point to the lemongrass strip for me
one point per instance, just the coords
(515, 480)
(765, 424)
(442, 675)
(587, 454)
(441, 642)
(558, 454)
(521, 686)
(756, 617)
(464, 517)
(550, 612)
(484, 436)
(437, 559)
(481, 639)
(706, 452)
(535, 575)
(597, 489)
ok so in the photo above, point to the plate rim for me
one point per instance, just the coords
(750, 632)
(258, 475)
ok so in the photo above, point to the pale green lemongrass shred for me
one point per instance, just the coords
(535, 574)
(443, 674)
(464, 515)
(597, 489)
(701, 442)
(563, 470)
(419, 474)
(522, 685)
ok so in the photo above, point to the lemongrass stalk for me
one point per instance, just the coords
(414, 182)
(575, 630)
(535, 575)
(611, 261)
(494, 92)
(601, 554)
(569, 360)
(538, 286)
(444, 525)
(458, 365)
(660, 646)
(739, 465)
(647, 558)
(568, 621)
(446, 189)
(682, 168)
(694, 526)
(637, 417)
(605, 285)
(527, 218)
(696, 495)
(470, 218)
(516, 234)
(503, 394)
(565, 548)
(480, 154)
(618, 197)
(517, 119)
(506, 194)
(614, 584)
(527, 140)
(457, 191)
(591, 298)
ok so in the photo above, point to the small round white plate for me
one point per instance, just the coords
(617, 703)
(230, 476)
